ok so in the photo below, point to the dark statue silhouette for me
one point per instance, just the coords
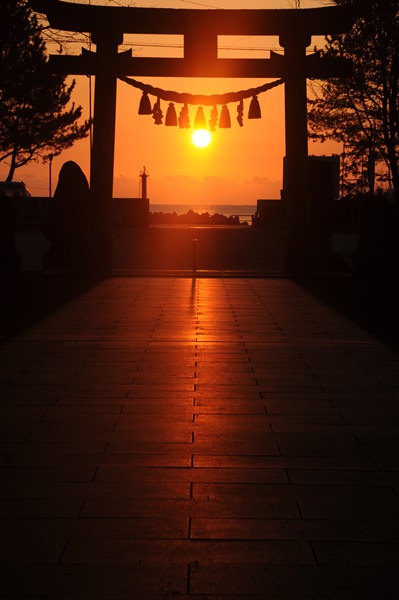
(66, 221)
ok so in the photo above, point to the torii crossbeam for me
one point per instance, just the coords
(200, 30)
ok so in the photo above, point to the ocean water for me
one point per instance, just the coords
(244, 211)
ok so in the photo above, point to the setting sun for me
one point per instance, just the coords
(201, 138)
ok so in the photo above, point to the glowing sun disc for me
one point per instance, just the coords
(201, 138)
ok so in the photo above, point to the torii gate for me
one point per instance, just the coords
(200, 29)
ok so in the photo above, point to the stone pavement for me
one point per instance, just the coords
(210, 438)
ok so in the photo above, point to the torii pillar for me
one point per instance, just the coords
(298, 251)
(100, 244)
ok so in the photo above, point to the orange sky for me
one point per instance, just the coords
(240, 165)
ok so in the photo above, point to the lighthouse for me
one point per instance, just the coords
(144, 176)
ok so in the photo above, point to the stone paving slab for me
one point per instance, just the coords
(216, 439)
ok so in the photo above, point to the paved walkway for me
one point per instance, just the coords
(216, 439)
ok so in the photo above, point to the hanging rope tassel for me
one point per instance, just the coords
(213, 121)
(171, 117)
(240, 113)
(225, 121)
(157, 113)
(184, 118)
(254, 109)
(200, 122)
(145, 105)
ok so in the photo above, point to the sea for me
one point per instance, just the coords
(243, 211)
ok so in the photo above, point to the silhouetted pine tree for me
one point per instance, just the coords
(34, 119)
(362, 112)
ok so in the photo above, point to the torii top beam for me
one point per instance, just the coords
(89, 18)
(200, 29)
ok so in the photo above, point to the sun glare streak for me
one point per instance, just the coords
(201, 138)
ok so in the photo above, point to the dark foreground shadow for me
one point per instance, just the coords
(28, 296)
(371, 301)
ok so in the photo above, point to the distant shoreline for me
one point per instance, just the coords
(195, 218)
(213, 214)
